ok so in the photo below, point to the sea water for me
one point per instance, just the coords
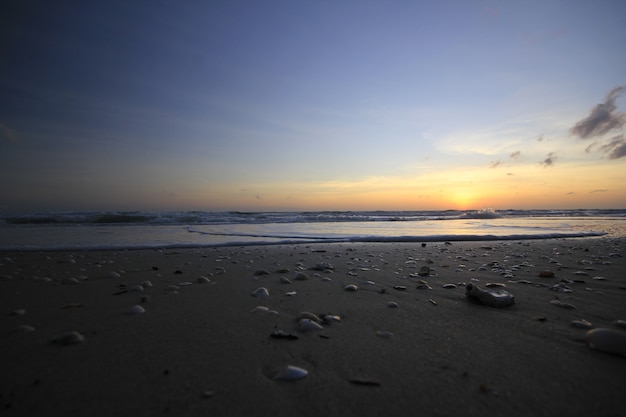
(130, 230)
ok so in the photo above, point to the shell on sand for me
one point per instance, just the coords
(261, 292)
(259, 309)
(307, 325)
(301, 276)
(607, 340)
(351, 288)
(291, 373)
(392, 304)
(68, 338)
(489, 297)
(582, 324)
(561, 304)
(136, 309)
(203, 280)
(310, 316)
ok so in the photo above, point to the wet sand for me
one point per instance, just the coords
(203, 349)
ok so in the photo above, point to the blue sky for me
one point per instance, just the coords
(308, 105)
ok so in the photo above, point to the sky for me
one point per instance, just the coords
(312, 105)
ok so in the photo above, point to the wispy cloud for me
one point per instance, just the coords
(603, 117)
(603, 190)
(8, 135)
(616, 148)
(515, 155)
(549, 161)
(495, 164)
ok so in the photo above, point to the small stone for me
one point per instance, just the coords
(546, 274)
(68, 338)
(260, 272)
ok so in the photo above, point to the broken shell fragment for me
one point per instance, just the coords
(489, 297)
(607, 340)
(291, 373)
(582, 324)
(561, 304)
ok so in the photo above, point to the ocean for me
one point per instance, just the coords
(180, 229)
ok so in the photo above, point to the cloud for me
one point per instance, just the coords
(540, 138)
(495, 164)
(616, 148)
(8, 135)
(603, 117)
(604, 190)
(549, 161)
(515, 155)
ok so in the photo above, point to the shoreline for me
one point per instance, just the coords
(206, 348)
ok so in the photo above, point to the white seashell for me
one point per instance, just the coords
(68, 338)
(291, 294)
(259, 309)
(607, 340)
(351, 288)
(449, 286)
(291, 373)
(136, 309)
(272, 312)
(261, 292)
(307, 325)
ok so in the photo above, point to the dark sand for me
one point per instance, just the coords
(201, 351)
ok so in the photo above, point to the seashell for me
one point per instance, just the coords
(322, 266)
(581, 273)
(284, 280)
(561, 304)
(261, 292)
(331, 318)
(620, 323)
(301, 276)
(599, 278)
(310, 316)
(368, 282)
(424, 287)
(291, 373)
(203, 280)
(113, 274)
(146, 284)
(351, 288)
(546, 274)
(291, 293)
(173, 287)
(219, 270)
(136, 309)
(399, 288)
(384, 334)
(607, 340)
(272, 312)
(392, 304)
(260, 272)
(184, 284)
(68, 338)
(22, 328)
(307, 325)
(449, 286)
(70, 281)
(424, 271)
(560, 287)
(489, 297)
(282, 270)
(136, 288)
(581, 324)
(259, 309)
(495, 285)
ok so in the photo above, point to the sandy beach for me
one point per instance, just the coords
(402, 344)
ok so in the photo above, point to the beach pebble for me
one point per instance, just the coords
(291, 373)
(68, 338)
(136, 309)
(322, 266)
(351, 288)
(424, 271)
(260, 272)
(546, 274)
(136, 288)
(261, 292)
(607, 340)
